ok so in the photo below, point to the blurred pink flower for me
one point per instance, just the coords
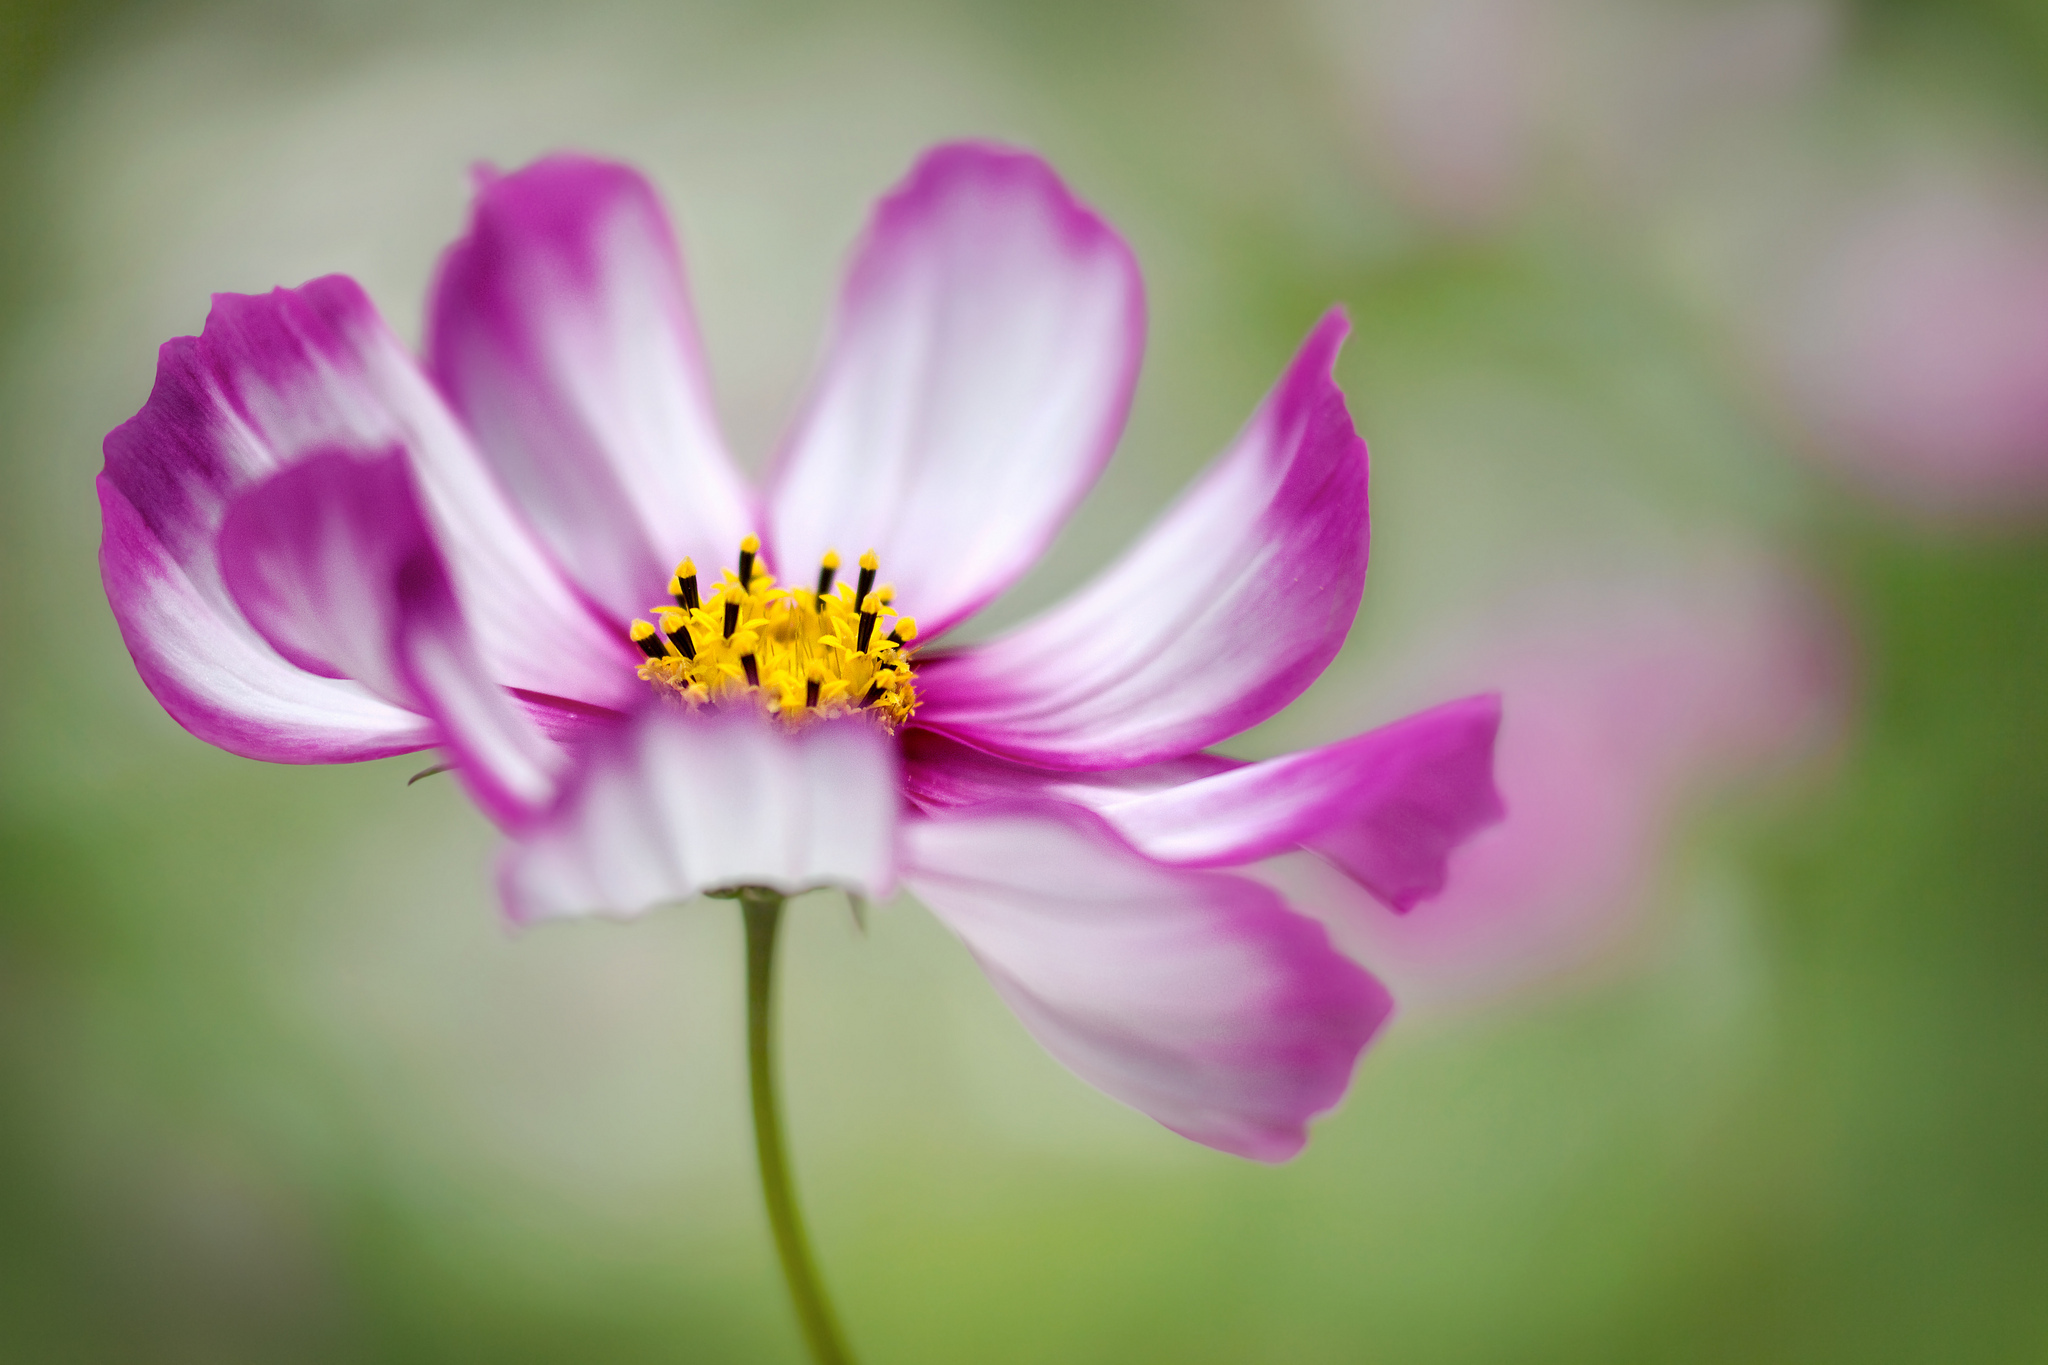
(1463, 104)
(1621, 706)
(1449, 95)
(320, 550)
(1912, 348)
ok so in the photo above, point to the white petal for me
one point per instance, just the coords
(562, 332)
(987, 343)
(677, 803)
(1232, 603)
(1198, 998)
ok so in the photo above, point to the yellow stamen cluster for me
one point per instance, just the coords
(800, 654)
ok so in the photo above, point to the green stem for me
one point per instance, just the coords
(763, 911)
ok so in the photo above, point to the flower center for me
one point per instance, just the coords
(801, 655)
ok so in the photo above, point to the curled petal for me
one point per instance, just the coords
(274, 378)
(220, 679)
(681, 802)
(1228, 607)
(1195, 997)
(332, 561)
(561, 330)
(1388, 807)
(1625, 705)
(977, 378)
(313, 554)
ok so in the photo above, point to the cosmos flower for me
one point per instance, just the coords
(322, 549)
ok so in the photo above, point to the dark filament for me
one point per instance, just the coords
(753, 670)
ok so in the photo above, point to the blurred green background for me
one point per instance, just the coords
(276, 1086)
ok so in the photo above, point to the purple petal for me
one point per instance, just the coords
(681, 802)
(216, 676)
(1195, 997)
(1626, 703)
(561, 329)
(941, 774)
(272, 379)
(332, 561)
(1389, 807)
(1226, 609)
(977, 378)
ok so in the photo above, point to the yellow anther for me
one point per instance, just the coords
(868, 564)
(683, 587)
(642, 634)
(870, 608)
(749, 547)
(798, 654)
(828, 568)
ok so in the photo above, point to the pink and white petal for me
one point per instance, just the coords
(510, 764)
(976, 380)
(217, 677)
(941, 774)
(561, 330)
(1627, 703)
(311, 554)
(1195, 997)
(680, 802)
(1227, 608)
(332, 561)
(566, 722)
(276, 377)
(1389, 806)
